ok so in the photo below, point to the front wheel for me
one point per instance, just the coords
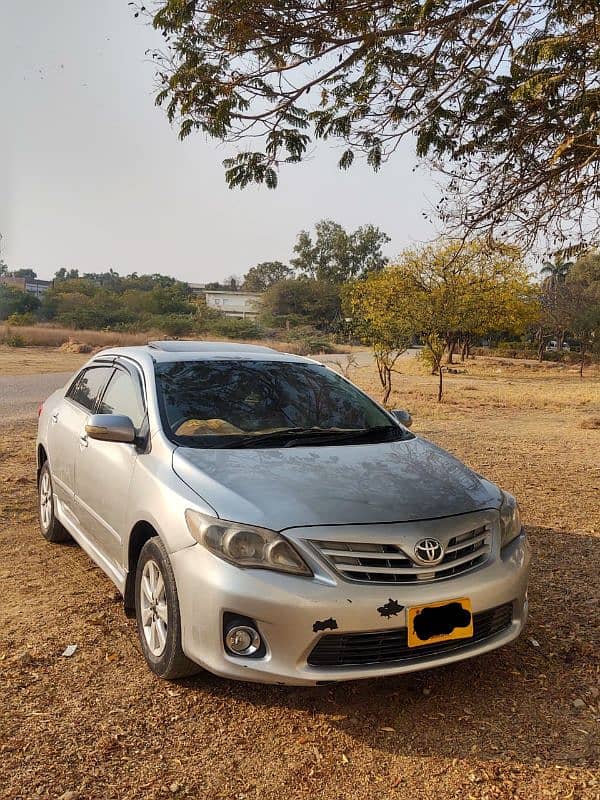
(51, 528)
(157, 614)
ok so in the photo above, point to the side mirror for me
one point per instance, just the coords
(110, 428)
(403, 416)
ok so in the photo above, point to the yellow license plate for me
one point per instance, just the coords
(440, 622)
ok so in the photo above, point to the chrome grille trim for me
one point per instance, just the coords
(369, 562)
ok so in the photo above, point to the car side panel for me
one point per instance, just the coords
(65, 425)
(103, 474)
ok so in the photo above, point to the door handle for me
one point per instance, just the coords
(54, 417)
(83, 440)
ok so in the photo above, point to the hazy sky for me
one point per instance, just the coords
(92, 176)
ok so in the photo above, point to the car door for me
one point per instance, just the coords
(67, 425)
(103, 470)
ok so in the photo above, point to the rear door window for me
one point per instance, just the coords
(88, 387)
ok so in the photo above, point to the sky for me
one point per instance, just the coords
(92, 176)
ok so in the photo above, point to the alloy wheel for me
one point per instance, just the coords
(153, 606)
(46, 500)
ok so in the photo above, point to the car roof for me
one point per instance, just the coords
(187, 346)
(169, 350)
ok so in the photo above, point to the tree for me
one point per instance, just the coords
(336, 256)
(27, 273)
(377, 307)
(583, 295)
(480, 288)
(14, 301)
(501, 96)
(555, 316)
(64, 274)
(302, 301)
(100, 300)
(265, 274)
(555, 272)
(449, 290)
(555, 303)
(232, 283)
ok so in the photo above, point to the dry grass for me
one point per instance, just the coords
(99, 726)
(33, 360)
(49, 336)
(487, 388)
(52, 336)
(30, 360)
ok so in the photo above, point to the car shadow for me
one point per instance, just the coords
(521, 703)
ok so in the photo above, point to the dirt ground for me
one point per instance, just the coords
(522, 722)
(32, 360)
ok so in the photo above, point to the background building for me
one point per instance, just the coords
(34, 286)
(234, 304)
(197, 289)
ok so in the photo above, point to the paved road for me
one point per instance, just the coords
(20, 395)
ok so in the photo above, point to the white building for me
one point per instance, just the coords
(234, 304)
(35, 286)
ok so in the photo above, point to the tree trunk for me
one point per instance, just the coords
(540, 351)
(387, 385)
(582, 362)
(464, 351)
(451, 346)
(440, 384)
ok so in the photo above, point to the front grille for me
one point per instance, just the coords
(389, 563)
(380, 647)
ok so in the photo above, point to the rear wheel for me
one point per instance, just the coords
(157, 614)
(51, 528)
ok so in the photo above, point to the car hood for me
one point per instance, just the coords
(280, 488)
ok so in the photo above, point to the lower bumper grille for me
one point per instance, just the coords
(380, 647)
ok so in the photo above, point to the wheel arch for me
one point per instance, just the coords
(141, 532)
(41, 457)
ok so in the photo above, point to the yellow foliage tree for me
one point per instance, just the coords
(381, 318)
(446, 293)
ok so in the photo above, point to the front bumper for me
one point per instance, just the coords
(286, 609)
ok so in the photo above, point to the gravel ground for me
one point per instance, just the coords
(522, 722)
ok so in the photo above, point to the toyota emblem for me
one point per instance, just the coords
(429, 551)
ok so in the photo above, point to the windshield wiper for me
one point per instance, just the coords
(290, 437)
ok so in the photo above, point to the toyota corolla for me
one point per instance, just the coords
(266, 520)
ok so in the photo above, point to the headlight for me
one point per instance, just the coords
(245, 545)
(510, 519)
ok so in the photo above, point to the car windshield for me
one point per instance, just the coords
(250, 403)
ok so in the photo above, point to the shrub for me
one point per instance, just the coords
(314, 346)
(20, 319)
(14, 301)
(175, 324)
(302, 300)
(14, 340)
(236, 328)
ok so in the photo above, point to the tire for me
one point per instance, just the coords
(157, 614)
(51, 528)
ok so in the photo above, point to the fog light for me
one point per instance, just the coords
(242, 640)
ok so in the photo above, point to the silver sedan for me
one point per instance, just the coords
(265, 520)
